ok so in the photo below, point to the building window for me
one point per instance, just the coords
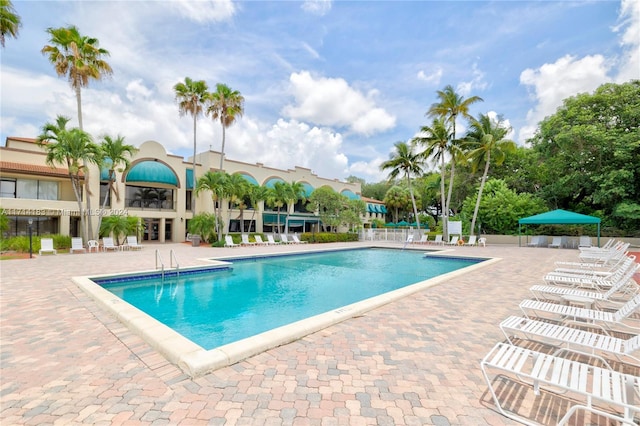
(8, 188)
(29, 189)
(149, 198)
(187, 203)
(42, 225)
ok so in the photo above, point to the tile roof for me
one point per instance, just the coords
(10, 166)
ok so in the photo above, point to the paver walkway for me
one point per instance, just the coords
(411, 362)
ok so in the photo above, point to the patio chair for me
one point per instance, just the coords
(437, 240)
(297, 240)
(556, 242)
(424, 239)
(587, 384)
(245, 241)
(228, 242)
(453, 241)
(271, 241)
(596, 281)
(471, 241)
(259, 241)
(46, 246)
(572, 339)
(619, 319)
(132, 243)
(107, 244)
(76, 245)
(93, 245)
(585, 241)
(482, 241)
(285, 240)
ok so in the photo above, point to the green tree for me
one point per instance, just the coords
(205, 225)
(278, 196)
(328, 204)
(486, 142)
(10, 21)
(294, 192)
(435, 139)
(81, 59)
(352, 212)
(236, 188)
(113, 155)
(191, 97)
(398, 199)
(449, 107)
(74, 149)
(405, 161)
(589, 153)
(501, 207)
(256, 194)
(225, 105)
(120, 226)
(216, 183)
(4, 223)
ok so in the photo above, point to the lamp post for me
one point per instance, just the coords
(30, 238)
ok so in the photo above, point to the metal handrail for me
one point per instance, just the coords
(172, 257)
(158, 257)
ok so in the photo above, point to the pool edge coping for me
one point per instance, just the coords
(196, 361)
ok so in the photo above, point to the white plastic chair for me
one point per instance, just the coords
(93, 245)
(259, 240)
(228, 242)
(472, 241)
(46, 246)
(132, 243)
(107, 244)
(76, 245)
(271, 241)
(297, 240)
(453, 241)
(245, 240)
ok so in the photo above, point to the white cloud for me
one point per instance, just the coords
(477, 83)
(630, 41)
(552, 83)
(205, 10)
(332, 102)
(433, 77)
(317, 7)
(369, 170)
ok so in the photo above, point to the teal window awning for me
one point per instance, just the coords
(350, 195)
(152, 172)
(308, 189)
(249, 178)
(272, 181)
(189, 178)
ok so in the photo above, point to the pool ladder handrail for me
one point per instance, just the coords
(172, 257)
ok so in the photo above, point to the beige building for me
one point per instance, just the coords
(156, 188)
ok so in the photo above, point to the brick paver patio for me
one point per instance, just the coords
(411, 362)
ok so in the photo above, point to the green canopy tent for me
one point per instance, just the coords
(559, 217)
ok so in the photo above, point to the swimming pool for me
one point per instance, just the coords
(209, 317)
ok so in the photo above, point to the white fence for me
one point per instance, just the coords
(390, 234)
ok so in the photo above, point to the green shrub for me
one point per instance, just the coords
(328, 237)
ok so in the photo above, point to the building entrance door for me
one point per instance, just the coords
(151, 230)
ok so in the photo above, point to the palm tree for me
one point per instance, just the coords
(294, 192)
(225, 105)
(215, 182)
(436, 139)
(73, 148)
(80, 59)
(450, 106)
(278, 196)
(10, 21)
(256, 194)
(236, 187)
(191, 97)
(404, 161)
(487, 142)
(114, 154)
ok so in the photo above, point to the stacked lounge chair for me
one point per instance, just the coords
(588, 313)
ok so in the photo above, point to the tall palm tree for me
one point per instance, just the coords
(277, 198)
(404, 161)
(10, 21)
(191, 97)
(451, 106)
(80, 59)
(214, 182)
(225, 105)
(114, 155)
(294, 192)
(73, 148)
(486, 141)
(256, 194)
(236, 189)
(435, 139)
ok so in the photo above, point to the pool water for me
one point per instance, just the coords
(259, 294)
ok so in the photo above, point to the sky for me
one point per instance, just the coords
(328, 85)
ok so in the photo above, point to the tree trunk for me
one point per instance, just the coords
(442, 193)
(193, 177)
(222, 149)
(413, 201)
(482, 181)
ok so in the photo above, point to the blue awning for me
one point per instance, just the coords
(189, 179)
(272, 181)
(308, 189)
(350, 195)
(152, 172)
(249, 178)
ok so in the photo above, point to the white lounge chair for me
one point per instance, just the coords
(625, 285)
(556, 242)
(259, 241)
(228, 242)
(482, 241)
(297, 240)
(271, 241)
(588, 384)
(245, 240)
(424, 239)
(46, 246)
(76, 245)
(572, 339)
(599, 282)
(471, 241)
(538, 241)
(93, 245)
(285, 240)
(107, 244)
(453, 241)
(585, 242)
(437, 240)
(132, 243)
(616, 320)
